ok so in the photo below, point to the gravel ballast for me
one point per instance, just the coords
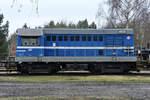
(127, 90)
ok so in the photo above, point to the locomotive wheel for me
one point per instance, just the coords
(25, 69)
(53, 69)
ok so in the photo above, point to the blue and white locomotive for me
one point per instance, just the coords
(99, 51)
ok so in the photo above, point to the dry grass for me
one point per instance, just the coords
(68, 98)
(96, 78)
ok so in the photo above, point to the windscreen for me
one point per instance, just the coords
(30, 41)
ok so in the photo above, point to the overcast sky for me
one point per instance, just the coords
(24, 11)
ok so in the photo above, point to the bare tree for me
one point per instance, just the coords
(130, 14)
(123, 12)
(101, 15)
(20, 4)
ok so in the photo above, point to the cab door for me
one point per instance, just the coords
(113, 44)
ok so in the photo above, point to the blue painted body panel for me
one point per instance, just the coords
(30, 52)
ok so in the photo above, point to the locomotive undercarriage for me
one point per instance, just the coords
(27, 68)
(109, 67)
(93, 67)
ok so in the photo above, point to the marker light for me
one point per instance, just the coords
(128, 37)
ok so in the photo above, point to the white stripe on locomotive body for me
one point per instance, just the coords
(42, 47)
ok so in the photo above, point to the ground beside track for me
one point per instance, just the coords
(134, 86)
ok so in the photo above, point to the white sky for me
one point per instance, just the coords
(57, 10)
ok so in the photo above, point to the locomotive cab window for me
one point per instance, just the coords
(77, 38)
(72, 38)
(95, 38)
(89, 38)
(60, 38)
(48, 38)
(100, 38)
(53, 38)
(65, 38)
(83, 38)
(30, 41)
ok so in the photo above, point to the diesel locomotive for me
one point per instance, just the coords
(95, 50)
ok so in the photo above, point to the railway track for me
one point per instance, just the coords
(72, 73)
(7, 69)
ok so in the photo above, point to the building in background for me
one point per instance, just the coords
(13, 50)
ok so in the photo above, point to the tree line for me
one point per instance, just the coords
(3, 38)
(82, 24)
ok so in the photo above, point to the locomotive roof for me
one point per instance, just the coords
(39, 32)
